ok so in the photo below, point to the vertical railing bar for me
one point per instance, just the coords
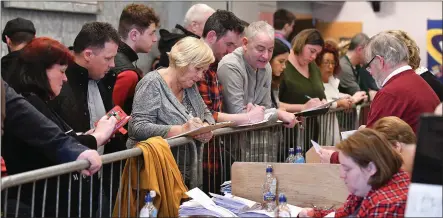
(138, 184)
(69, 195)
(33, 199)
(18, 200)
(57, 196)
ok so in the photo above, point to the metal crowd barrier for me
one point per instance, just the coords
(60, 191)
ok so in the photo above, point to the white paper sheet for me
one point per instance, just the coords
(294, 210)
(316, 146)
(199, 196)
(424, 200)
(346, 134)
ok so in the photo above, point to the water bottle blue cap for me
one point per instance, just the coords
(269, 169)
(282, 198)
(148, 198)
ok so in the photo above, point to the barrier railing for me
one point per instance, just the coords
(60, 191)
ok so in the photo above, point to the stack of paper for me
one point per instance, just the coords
(263, 213)
(225, 188)
(234, 204)
(225, 206)
(202, 205)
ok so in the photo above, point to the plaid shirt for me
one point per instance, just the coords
(211, 90)
(387, 201)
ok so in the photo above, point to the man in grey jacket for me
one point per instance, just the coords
(246, 77)
(246, 73)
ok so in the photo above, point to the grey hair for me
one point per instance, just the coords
(393, 50)
(196, 13)
(259, 27)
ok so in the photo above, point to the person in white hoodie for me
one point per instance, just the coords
(328, 61)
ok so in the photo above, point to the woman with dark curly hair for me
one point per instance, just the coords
(328, 61)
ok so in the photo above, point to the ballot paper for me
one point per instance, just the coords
(332, 214)
(234, 204)
(346, 134)
(316, 146)
(201, 204)
(268, 115)
(263, 213)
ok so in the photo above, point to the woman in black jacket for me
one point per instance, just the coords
(39, 78)
(41, 74)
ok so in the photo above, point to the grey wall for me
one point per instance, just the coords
(64, 26)
(296, 7)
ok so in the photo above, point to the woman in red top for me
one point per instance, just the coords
(371, 170)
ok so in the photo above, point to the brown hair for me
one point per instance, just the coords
(413, 49)
(395, 130)
(368, 145)
(307, 36)
(136, 16)
(330, 47)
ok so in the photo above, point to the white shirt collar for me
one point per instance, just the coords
(421, 70)
(395, 72)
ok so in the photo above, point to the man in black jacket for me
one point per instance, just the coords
(136, 28)
(85, 98)
(48, 146)
(193, 25)
(17, 34)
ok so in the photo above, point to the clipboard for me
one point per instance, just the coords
(204, 129)
(316, 111)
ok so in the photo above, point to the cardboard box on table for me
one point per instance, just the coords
(303, 184)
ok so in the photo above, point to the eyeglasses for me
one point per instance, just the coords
(328, 63)
(366, 66)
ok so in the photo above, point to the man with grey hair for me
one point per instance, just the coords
(196, 17)
(246, 73)
(193, 25)
(353, 77)
(246, 77)
(403, 93)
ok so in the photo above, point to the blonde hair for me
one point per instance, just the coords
(413, 49)
(190, 51)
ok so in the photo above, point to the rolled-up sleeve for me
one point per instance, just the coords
(233, 94)
(145, 109)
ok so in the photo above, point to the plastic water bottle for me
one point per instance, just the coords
(149, 209)
(291, 157)
(299, 156)
(283, 209)
(269, 190)
(269, 202)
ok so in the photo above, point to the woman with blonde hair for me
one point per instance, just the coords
(371, 170)
(167, 102)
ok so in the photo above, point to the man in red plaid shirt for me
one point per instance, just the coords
(371, 170)
(222, 32)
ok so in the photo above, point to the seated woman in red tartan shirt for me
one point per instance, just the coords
(397, 131)
(371, 170)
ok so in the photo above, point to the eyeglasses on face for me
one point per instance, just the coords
(367, 66)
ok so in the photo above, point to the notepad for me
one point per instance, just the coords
(268, 115)
(204, 129)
